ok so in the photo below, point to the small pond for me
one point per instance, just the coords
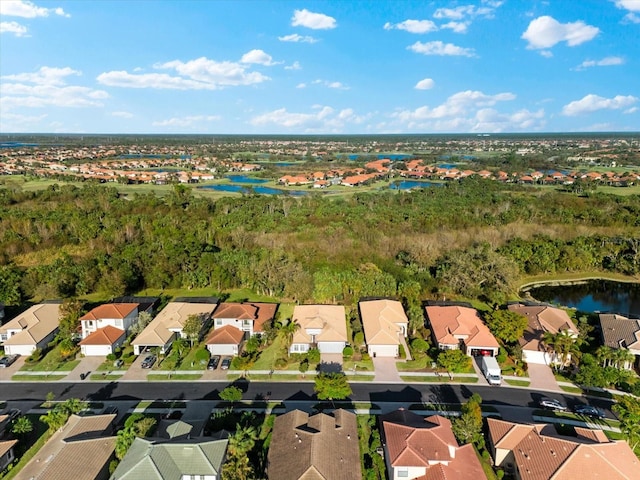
(247, 189)
(245, 179)
(409, 184)
(593, 296)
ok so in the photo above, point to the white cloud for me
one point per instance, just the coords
(546, 31)
(188, 121)
(330, 84)
(631, 110)
(198, 74)
(457, 27)
(301, 85)
(633, 7)
(13, 27)
(457, 13)
(425, 84)
(122, 114)
(632, 17)
(322, 119)
(257, 56)
(26, 9)
(294, 66)
(490, 120)
(439, 48)
(413, 26)
(44, 76)
(294, 37)
(605, 62)
(315, 21)
(593, 103)
(15, 122)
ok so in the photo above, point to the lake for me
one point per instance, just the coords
(245, 179)
(409, 184)
(593, 296)
(258, 189)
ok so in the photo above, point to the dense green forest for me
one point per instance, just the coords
(474, 238)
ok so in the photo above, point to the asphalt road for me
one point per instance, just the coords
(363, 392)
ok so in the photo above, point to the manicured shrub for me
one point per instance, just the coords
(347, 352)
(281, 363)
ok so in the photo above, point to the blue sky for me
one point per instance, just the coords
(279, 67)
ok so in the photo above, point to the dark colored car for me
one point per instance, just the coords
(226, 363)
(551, 404)
(148, 361)
(213, 362)
(110, 410)
(589, 411)
(8, 360)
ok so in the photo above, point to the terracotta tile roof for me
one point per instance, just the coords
(542, 318)
(318, 447)
(451, 323)
(110, 310)
(227, 335)
(429, 443)
(540, 454)
(260, 313)
(103, 336)
(382, 321)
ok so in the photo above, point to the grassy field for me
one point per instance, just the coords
(51, 363)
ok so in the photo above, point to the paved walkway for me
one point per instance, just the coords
(542, 378)
(386, 371)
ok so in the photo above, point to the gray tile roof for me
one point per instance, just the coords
(618, 331)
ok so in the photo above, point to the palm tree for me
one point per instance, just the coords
(622, 358)
(237, 468)
(242, 441)
(22, 426)
(288, 331)
(561, 344)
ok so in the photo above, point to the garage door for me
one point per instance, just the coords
(330, 347)
(96, 350)
(383, 350)
(24, 350)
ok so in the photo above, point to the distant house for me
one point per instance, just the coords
(321, 326)
(168, 324)
(31, 330)
(247, 317)
(174, 459)
(7, 455)
(385, 327)
(535, 452)
(320, 446)
(541, 319)
(225, 340)
(621, 332)
(426, 448)
(457, 327)
(81, 450)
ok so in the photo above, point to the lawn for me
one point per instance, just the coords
(159, 377)
(189, 361)
(51, 363)
(359, 365)
(441, 379)
(36, 378)
(417, 365)
(98, 377)
(268, 356)
(517, 383)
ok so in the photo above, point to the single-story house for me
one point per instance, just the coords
(621, 332)
(531, 452)
(225, 340)
(385, 327)
(103, 341)
(426, 448)
(248, 317)
(541, 318)
(173, 459)
(168, 324)
(321, 326)
(314, 447)
(7, 455)
(81, 450)
(458, 327)
(118, 315)
(30, 330)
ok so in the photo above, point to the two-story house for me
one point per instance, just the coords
(104, 328)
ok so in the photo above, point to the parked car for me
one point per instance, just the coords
(226, 363)
(589, 411)
(8, 360)
(148, 361)
(551, 404)
(110, 410)
(213, 362)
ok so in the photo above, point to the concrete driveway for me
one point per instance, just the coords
(87, 366)
(330, 362)
(386, 370)
(135, 371)
(542, 378)
(7, 373)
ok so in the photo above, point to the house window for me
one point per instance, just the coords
(3, 336)
(119, 323)
(403, 473)
(246, 323)
(218, 322)
(90, 324)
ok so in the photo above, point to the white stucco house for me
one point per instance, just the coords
(31, 330)
(385, 327)
(225, 340)
(321, 326)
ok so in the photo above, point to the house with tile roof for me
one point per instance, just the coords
(173, 459)
(118, 315)
(621, 332)
(321, 326)
(537, 452)
(321, 446)
(168, 324)
(81, 450)
(458, 327)
(225, 340)
(246, 317)
(385, 327)
(7, 455)
(32, 329)
(426, 449)
(103, 341)
(541, 318)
